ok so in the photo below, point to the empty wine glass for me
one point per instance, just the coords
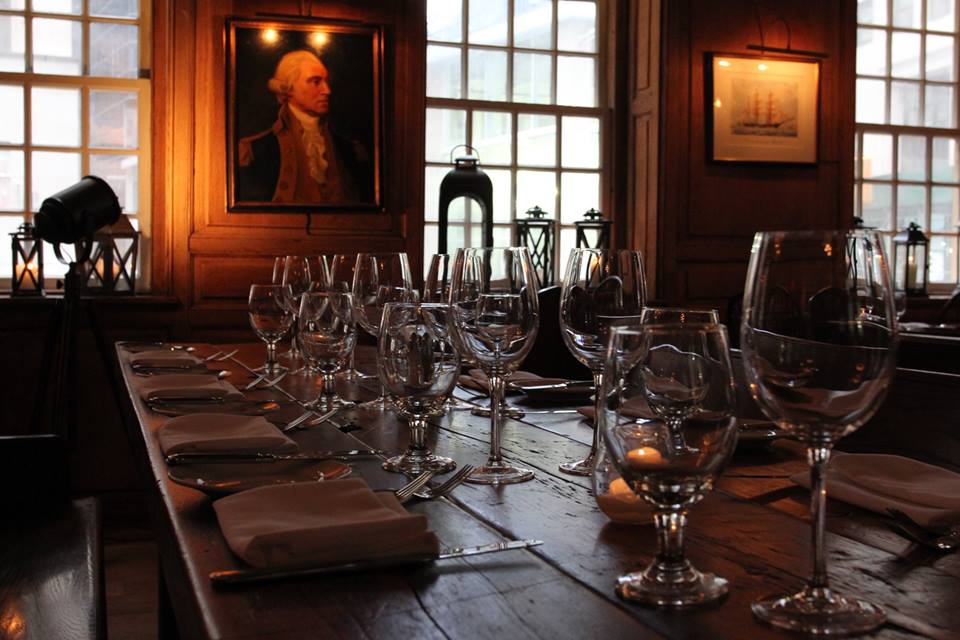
(436, 287)
(418, 366)
(340, 278)
(496, 314)
(379, 278)
(297, 275)
(270, 318)
(601, 287)
(327, 336)
(819, 365)
(694, 381)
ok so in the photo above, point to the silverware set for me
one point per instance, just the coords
(906, 526)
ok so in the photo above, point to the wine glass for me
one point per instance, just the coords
(379, 278)
(270, 318)
(600, 287)
(676, 369)
(496, 315)
(327, 336)
(297, 275)
(418, 366)
(340, 278)
(436, 287)
(819, 366)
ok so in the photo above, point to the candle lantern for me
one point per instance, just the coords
(593, 232)
(112, 266)
(910, 253)
(466, 180)
(27, 252)
(537, 233)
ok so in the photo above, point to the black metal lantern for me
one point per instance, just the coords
(27, 252)
(538, 234)
(112, 266)
(593, 232)
(910, 258)
(466, 180)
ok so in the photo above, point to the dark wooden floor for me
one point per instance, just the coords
(130, 555)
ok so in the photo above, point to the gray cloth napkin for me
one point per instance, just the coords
(163, 358)
(221, 433)
(186, 385)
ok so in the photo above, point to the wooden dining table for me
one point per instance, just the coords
(753, 529)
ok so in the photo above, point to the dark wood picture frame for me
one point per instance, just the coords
(276, 160)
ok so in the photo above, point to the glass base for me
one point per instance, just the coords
(499, 473)
(325, 404)
(819, 612)
(353, 375)
(377, 404)
(415, 463)
(677, 589)
(508, 411)
(579, 468)
(456, 404)
(276, 370)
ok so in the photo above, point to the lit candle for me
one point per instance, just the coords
(31, 268)
(911, 273)
(644, 457)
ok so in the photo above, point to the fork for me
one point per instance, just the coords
(948, 542)
(405, 493)
(451, 483)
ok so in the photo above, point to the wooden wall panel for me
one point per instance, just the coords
(709, 211)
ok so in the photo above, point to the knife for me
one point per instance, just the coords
(260, 456)
(263, 574)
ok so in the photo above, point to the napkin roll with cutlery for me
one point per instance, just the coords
(163, 359)
(187, 387)
(322, 523)
(221, 433)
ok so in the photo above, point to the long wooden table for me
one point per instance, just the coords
(753, 529)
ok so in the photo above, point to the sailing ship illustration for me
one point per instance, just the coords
(762, 111)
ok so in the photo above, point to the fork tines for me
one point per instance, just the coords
(405, 492)
(452, 482)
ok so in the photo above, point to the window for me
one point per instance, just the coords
(75, 90)
(518, 80)
(907, 139)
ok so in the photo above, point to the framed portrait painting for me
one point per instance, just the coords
(304, 115)
(763, 109)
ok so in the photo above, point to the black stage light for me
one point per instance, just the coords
(77, 212)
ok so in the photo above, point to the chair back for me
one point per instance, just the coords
(549, 356)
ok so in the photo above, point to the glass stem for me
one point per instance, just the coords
(818, 458)
(418, 436)
(329, 385)
(294, 329)
(271, 357)
(496, 416)
(597, 407)
(670, 556)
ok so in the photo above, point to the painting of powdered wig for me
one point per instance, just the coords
(303, 115)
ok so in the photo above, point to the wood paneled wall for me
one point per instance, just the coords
(206, 256)
(709, 211)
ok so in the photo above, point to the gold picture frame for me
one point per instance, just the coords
(763, 109)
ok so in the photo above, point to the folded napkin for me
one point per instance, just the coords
(478, 380)
(221, 433)
(322, 523)
(160, 358)
(186, 385)
(929, 495)
(632, 408)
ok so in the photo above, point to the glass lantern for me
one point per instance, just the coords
(112, 266)
(910, 261)
(27, 252)
(593, 232)
(537, 233)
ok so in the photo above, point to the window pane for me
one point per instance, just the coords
(576, 81)
(12, 187)
(488, 74)
(12, 4)
(8, 224)
(502, 237)
(568, 241)
(492, 136)
(11, 124)
(942, 259)
(532, 23)
(905, 103)
(877, 203)
(871, 52)
(532, 80)
(12, 47)
(431, 192)
(55, 117)
(121, 173)
(911, 206)
(446, 128)
(944, 208)
(430, 245)
(536, 140)
(872, 12)
(940, 15)
(501, 178)
(536, 188)
(444, 21)
(912, 161)
(114, 51)
(579, 192)
(939, 108)
(443, 71)
(57, 47)
(945, 165)
(72, 7)
(581, 142)
(488, 22)
(51, 172)
(906, 13)
(941, 58)
(113, 119)
(577, 26)
(871, 98)
(115, 8)
(905, 55)
(877, 156)
(457, 211)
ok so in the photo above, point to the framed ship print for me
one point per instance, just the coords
(763, 109)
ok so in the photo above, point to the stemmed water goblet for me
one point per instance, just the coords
(819, 365)
(270, 318)
(340, 278)
(436, 286)
(493, 298)
(327, 335)
(678, 370)
(297, 275)
(601, 287)
(418, 366)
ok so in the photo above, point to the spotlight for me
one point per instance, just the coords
(77, 212)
